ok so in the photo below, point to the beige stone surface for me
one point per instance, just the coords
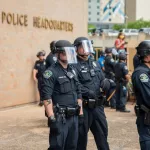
(19, 45)
(25, 128)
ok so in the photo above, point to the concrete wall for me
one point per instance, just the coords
(20, 43)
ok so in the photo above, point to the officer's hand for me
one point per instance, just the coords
(53, 124)
(81, 119)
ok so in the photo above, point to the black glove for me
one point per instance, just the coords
(81, 119)
(53, 124)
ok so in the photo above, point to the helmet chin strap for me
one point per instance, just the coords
(63, 61)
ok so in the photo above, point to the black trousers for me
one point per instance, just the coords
(95, 120)
(144, 133)
(68, 137)
(121, 96)
(39, 87)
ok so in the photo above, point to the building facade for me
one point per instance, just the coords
(137, 9)
(27, 27)
(106, 12)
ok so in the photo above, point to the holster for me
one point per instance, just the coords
(92, 103)
(147, 119)
(137, 110)
(146, 115)
(71, 112)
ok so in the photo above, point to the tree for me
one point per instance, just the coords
(133, 25)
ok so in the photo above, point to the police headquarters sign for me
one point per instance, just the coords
(38, 22)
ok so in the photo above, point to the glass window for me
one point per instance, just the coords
(89, 0)
(89, 13)
(97, 7)
(89, 6)
(110, 19)
(97, 13)
(98, 1)
(89, 19)
(97, 19)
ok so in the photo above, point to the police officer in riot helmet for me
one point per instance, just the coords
(141, 85)
(39, 68)
(61, 93)
(109, 65)
(122, 77)
(136, 61)
(51, 58)
(92, 79)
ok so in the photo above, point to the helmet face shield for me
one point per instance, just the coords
(87, 46)
(71, 55)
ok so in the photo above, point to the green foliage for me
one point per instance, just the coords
(118, 26)
(133, 25)
(91, 27)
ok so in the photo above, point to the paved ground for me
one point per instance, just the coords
(25, 128)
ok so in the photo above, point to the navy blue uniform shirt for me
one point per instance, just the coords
(141, 84)
(59, 87)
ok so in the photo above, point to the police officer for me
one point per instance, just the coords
(136, 61)
(122, 77)
(51, 58)
(92, 79)
(101, 60)
(141, 85)
(109, 65)
(39, 68)
(62, 96)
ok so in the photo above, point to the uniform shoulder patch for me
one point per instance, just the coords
(55, 58)
(47, 74)
(144, 77)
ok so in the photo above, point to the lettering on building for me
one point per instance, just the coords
(38, 22)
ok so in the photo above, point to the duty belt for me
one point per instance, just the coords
(67, 111)
(92, 103)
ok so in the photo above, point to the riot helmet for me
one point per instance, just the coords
(66, 52)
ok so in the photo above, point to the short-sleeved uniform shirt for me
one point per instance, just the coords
(141, 84)
(58, 86)
(40, 66)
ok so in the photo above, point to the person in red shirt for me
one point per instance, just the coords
(120, 43)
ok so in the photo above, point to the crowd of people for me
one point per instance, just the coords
(74, 88)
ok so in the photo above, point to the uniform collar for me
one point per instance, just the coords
(143, 65)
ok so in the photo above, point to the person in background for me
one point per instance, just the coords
(101, 60)
(120, 43)
(110, 74)
(122, 78)
(136, 61)
(51, 58)
(39, 68)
